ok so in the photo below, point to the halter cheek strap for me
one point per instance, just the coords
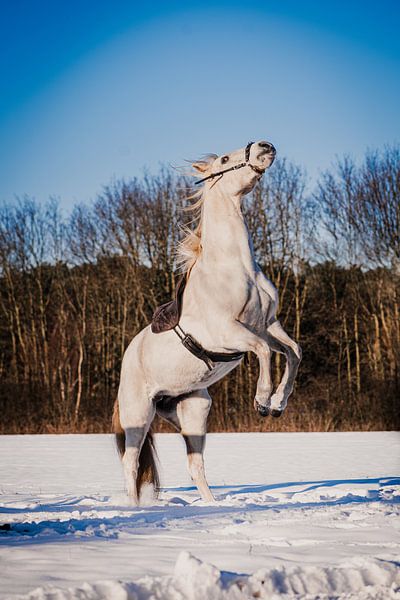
(247, 163)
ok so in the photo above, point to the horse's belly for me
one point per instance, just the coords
(196, 376)
(219, 371)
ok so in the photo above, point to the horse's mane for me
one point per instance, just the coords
(189, 247)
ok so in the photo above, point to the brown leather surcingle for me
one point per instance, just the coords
(167, 315)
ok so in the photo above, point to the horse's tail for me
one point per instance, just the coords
(147, 472)
(117, 429)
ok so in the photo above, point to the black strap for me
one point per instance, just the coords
(239, 166)
(247, 151)
(205, 355)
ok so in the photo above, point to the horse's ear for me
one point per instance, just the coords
(205, 163)
(201, 166)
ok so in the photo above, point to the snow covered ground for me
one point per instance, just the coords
(313, 515)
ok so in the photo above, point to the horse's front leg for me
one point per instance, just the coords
(264, 382)
(239, 337)
(279, 341)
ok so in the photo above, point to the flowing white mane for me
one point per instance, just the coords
(189, 247)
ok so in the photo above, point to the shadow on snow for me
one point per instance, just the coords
(138, 518)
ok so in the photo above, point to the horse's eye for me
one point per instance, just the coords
(224, 159)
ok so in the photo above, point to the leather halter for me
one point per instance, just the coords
(247, 163)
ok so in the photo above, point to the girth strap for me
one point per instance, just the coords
(205, 355)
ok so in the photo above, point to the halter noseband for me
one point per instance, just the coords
(247, 163)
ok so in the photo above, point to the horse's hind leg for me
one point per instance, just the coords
(136, 414)
(281, 342)
(189, 415)
(192, 413)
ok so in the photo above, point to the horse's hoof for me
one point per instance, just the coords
(263, 411)
(276, 413)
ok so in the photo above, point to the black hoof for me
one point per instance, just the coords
(276, 413)
(262, 410)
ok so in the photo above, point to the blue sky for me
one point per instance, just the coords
(96, 90)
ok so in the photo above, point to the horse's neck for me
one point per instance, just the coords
(224, 233)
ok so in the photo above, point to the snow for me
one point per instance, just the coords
(298, 515)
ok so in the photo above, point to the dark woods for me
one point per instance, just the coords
(74, 291)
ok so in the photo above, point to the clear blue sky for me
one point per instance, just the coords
(95, 90)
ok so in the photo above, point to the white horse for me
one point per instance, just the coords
(228, 306)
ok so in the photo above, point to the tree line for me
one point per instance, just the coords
(76, 288)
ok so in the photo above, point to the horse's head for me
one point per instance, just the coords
(239, 171)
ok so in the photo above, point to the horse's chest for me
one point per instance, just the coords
(254, 306)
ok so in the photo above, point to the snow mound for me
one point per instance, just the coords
(197, 580)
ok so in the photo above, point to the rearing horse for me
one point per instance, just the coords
(228, 308)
